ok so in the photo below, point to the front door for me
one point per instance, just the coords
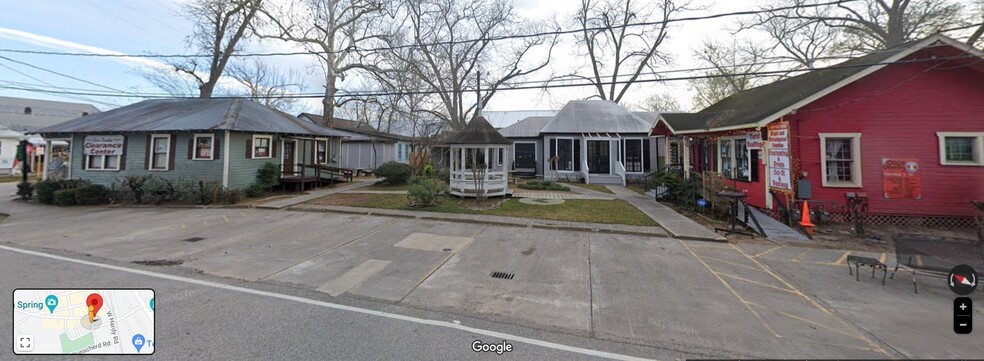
(525, 155)
(599, 157)
(288, 157)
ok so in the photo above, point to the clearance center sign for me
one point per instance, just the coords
(103, 145)
(779, 165)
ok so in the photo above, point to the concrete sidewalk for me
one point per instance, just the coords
(315, 194)
(678, 225)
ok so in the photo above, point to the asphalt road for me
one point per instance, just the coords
(199, 317)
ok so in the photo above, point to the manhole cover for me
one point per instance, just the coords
(542, 201)
(503, 275)
(193, 239)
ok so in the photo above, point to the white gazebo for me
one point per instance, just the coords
(478, 160)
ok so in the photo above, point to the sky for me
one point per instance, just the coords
(154, 26)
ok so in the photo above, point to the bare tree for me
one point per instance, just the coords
(660, 102)
(264, 84)
(432, 50)
(220, 27)
(867, 25)
(733, 70)
(615, 48)
(803, 42)
(976, 38)
(332, 30)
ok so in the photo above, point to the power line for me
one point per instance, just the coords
(138, 26)
(508, 86)
(60, 74)
(67, 94)
(449, 42)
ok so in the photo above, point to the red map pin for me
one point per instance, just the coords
(94, 301)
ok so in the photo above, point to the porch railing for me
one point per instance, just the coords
(620, 171)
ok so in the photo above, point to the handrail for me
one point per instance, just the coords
(584, 170)
(788, 212)
(620, 171)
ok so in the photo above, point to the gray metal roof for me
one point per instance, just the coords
(505, 118)
(358, 130)
(595, 116)
(647, 116)
(526, 128)
(192, 114)
(43, 113)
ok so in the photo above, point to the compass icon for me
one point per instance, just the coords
(962, 280)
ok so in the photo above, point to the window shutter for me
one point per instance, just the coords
(191, 147)
(217, 152)
(249, 148)
(273, 148)
(147, 152)
(170, 152)
(123, 156)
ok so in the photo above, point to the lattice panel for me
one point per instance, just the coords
(893, 219)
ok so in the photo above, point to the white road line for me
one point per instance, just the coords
(423, 321)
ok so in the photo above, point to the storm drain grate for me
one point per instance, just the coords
(503, 275)
(193, 239)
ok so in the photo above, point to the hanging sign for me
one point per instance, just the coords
(779, 165)
(103, 145)
(901, 178)
(754, 140)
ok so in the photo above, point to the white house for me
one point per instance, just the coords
(19, 116)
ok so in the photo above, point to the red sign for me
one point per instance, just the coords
(901, 178)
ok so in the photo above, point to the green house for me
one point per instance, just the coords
(220, 140)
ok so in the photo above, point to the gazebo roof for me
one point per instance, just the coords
(478, 131)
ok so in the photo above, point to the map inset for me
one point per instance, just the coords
(77, 321)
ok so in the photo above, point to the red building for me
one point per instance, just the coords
(903, 127)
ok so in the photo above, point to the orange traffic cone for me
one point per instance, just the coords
(805, 219)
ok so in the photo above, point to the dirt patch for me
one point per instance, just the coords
(159, 262)
(474, 205)
(345, 199)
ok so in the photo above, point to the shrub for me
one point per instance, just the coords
(91, 194)
(134, 186)
(46, 189)
(423, 191)
(201, 192)
(25, 190)
(65, 197)
(394, 173)
(268, 175)
(429, 169)
(158, 190)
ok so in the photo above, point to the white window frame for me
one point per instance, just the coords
(733, 154)
(194, 147)
(269, 146)
(978, 147)
(557, 149)
(318, 142)
(167, 154)
(855, 164)
(86, 159)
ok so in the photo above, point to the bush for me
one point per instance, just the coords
(46, 189)
(158, 190)
(429, 169)
(544, 186)
(64, 197)
(92, 194)
(25, 190)
(134, 186)
(268, 175)
(394, 173)
(423, 191)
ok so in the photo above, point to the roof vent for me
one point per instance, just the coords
(85, 113)
(27, 110)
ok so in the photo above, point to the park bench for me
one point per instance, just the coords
(859, 261)
(935, 255)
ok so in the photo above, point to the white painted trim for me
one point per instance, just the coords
(167, 157)
(855, 156)
(269, 147)
(225, 160)
(978, 148)
(659, 118)
(867, 71)
(194, 146)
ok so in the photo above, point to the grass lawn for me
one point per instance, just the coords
(575, 210)
(17, 178)
(595, 187)
(381, 187)
(638, 188)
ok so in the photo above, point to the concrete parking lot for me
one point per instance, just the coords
(701, 298)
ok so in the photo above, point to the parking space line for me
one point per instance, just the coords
(731, 263)
(801, 319)
(806, 262)
(768, 251)
(883, 258)
(755, 282)
(224, 218)
(732, 290)
(858, 334)
(843, 257)
(801, 254)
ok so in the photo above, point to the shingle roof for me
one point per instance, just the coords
(478, 131)
(749, 107)
(595, 116)
(189, 115)
(43, 113)
(526, 128)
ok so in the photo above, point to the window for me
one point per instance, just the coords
(500, 157)
(399, 151)
(321, 152)
(204, 147)
(633, 155)
(735, 161)
(160, 146)
(840, 159)
(565, 154)
(961, 148)
(101, 152)
(103, 162)
(261, 146)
